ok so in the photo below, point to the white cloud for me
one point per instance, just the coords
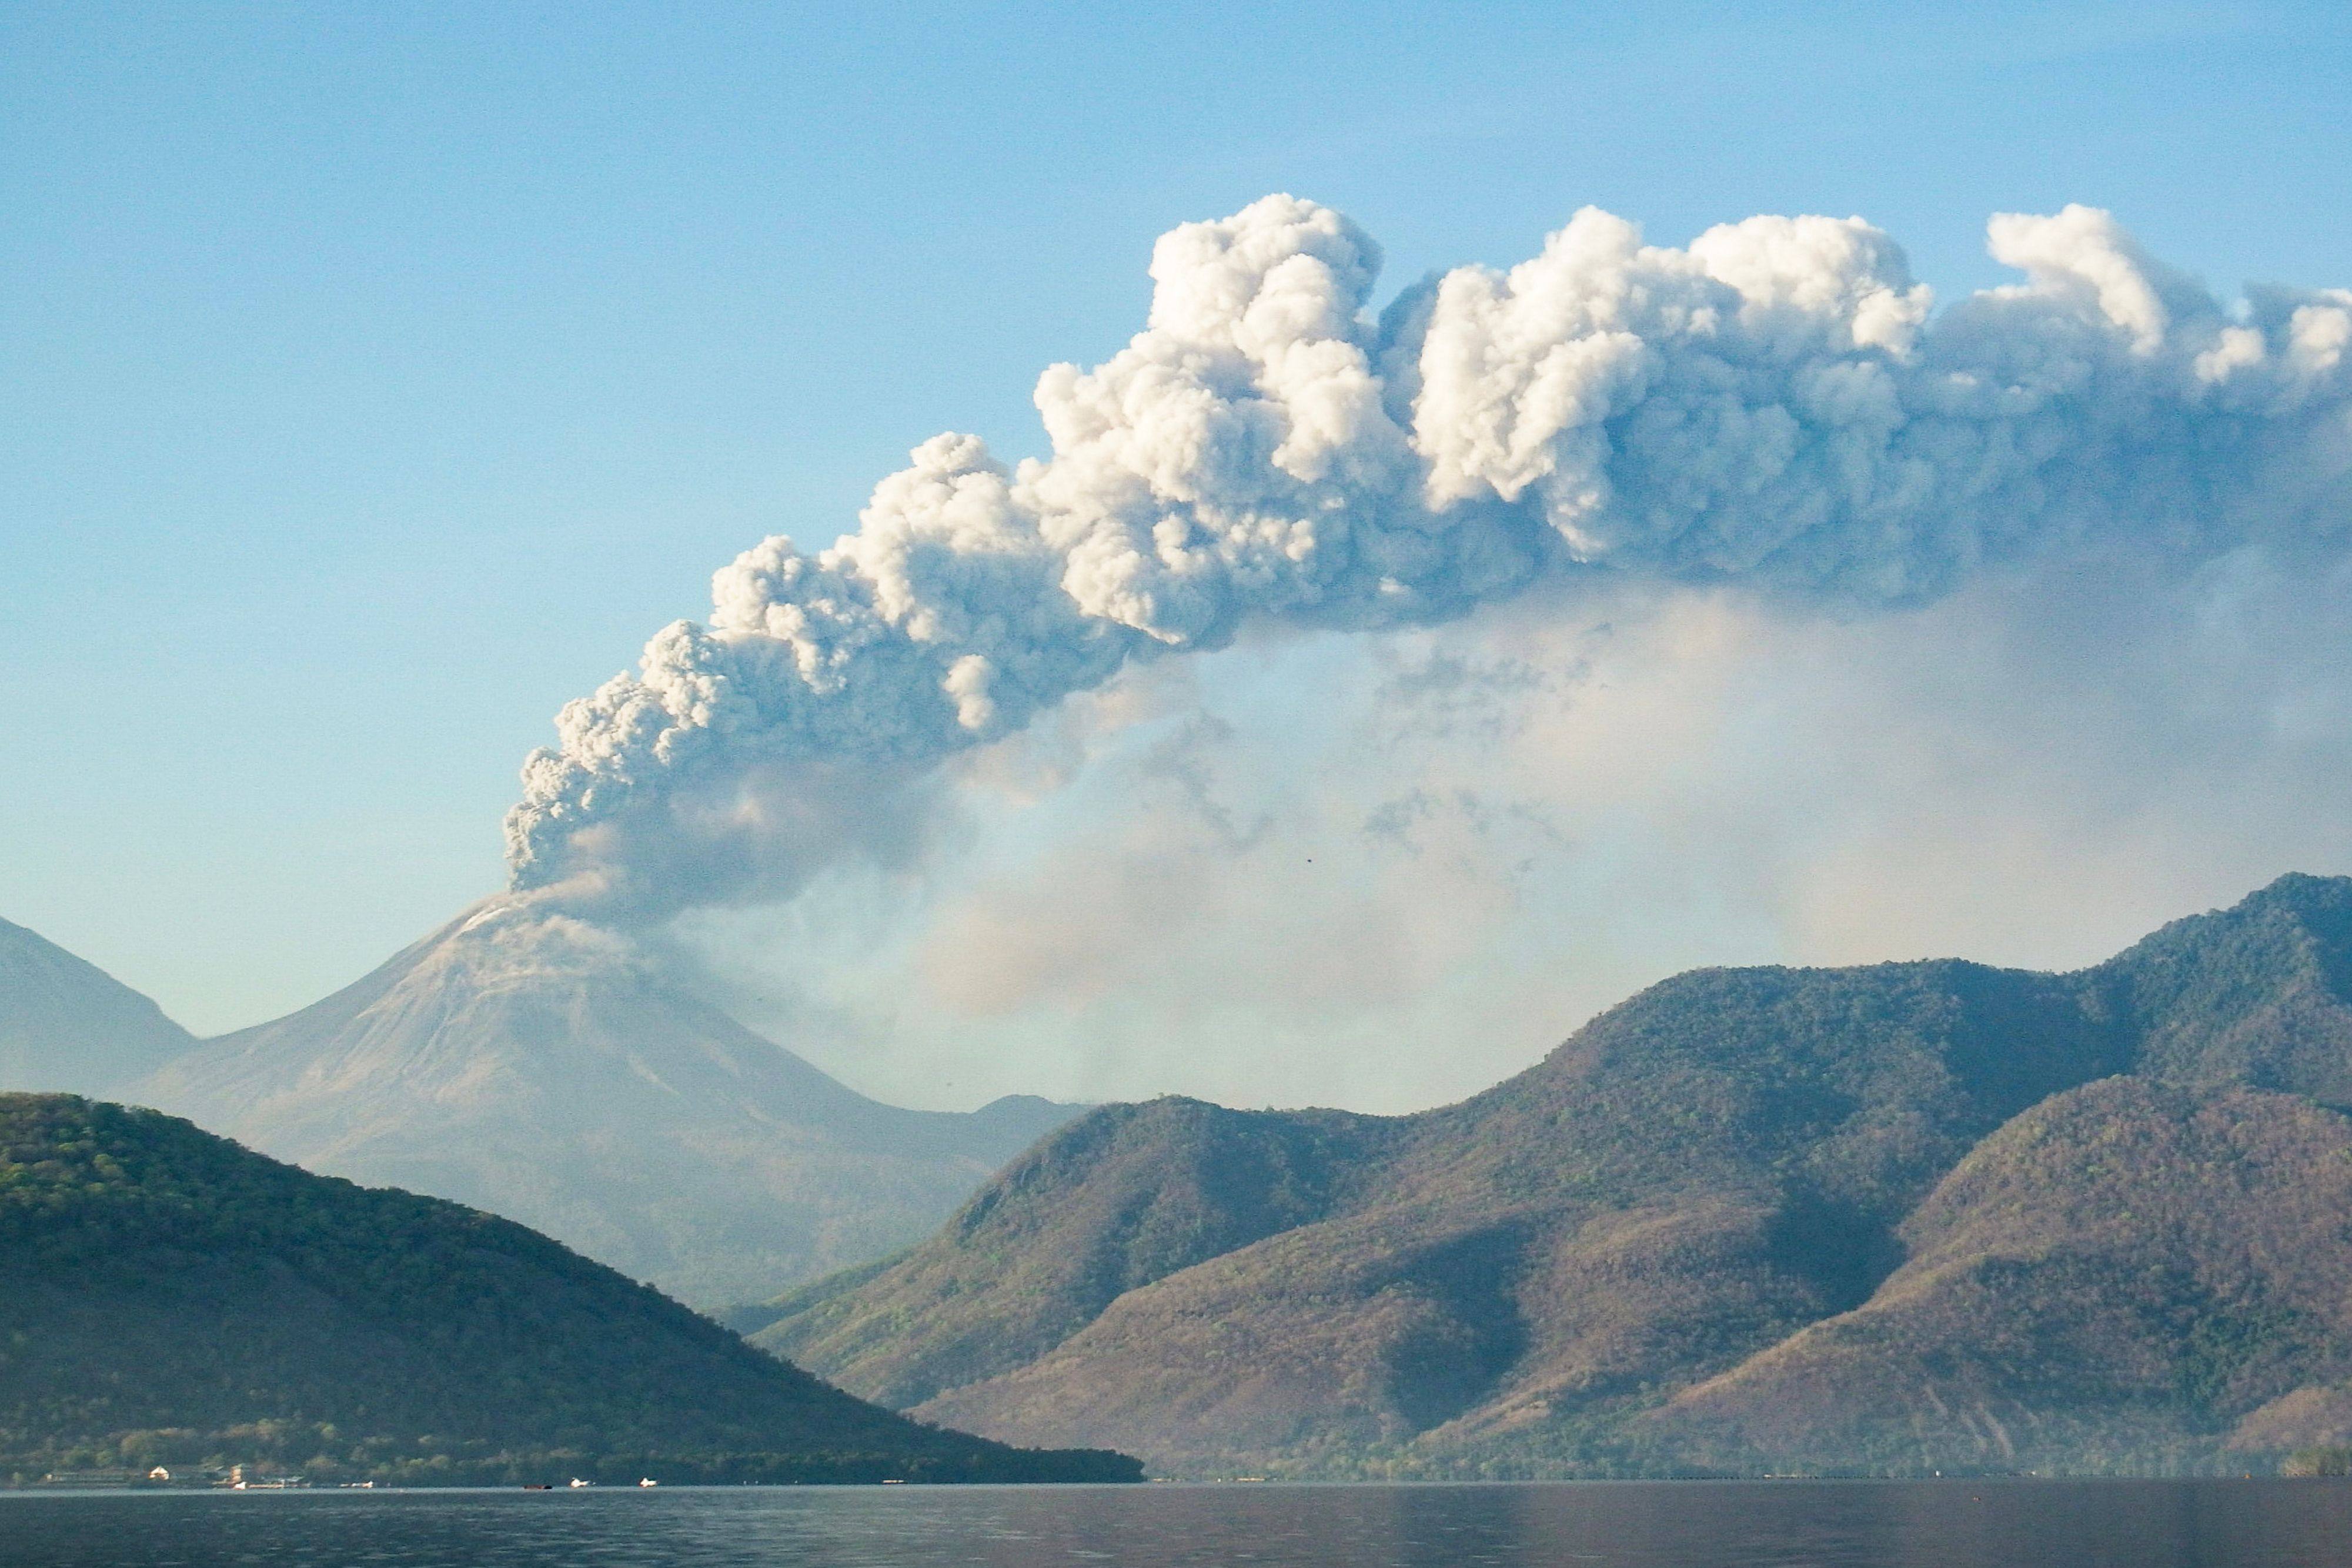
(1775, 407)
(1734, 605)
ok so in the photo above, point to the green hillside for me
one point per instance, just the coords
(1628, 1257)
(175, 1298)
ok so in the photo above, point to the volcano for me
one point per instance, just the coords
(551, 1071)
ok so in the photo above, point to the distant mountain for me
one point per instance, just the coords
(543, 1070)
(1902, 1217)
(68, 1025)
(174, 1299)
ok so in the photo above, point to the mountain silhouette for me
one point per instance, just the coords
(67, 1025)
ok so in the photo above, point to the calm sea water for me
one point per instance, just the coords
(1944, 1524)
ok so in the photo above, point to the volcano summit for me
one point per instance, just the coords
(547, 1069)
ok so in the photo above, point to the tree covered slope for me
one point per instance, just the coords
(1628, 1256)
(2125, 1271)
(174, 1297)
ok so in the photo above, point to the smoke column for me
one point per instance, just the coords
(1776, 405)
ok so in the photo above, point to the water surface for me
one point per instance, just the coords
(1931, 1524)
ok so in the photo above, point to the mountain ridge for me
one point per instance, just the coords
(1521, 1282)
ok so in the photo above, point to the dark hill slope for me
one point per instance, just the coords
(2259, 994)
(174, 1297)
(69, 1025)
(1505, 1285)
(2124, 1270)
(546, 1069)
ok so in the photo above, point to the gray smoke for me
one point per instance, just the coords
(1777, 405)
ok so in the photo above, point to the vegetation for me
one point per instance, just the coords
(1899, 1218)
(175, 1299)
(2127, 1274)
(1126, 1196)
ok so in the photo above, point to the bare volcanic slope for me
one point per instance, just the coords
(68, 1025)
(543, 1070)
(174, 1299)
(1547, 1277)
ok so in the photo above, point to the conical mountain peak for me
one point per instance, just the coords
(562, 1073)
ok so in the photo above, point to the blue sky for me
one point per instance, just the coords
(379, 378)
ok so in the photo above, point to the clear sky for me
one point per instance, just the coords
(374, 378)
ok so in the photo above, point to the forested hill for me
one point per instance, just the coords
(175, 1299)
(1909, 1216)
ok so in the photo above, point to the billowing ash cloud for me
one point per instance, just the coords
(1775, 405)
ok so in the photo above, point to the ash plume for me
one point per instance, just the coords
(1777, 405)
